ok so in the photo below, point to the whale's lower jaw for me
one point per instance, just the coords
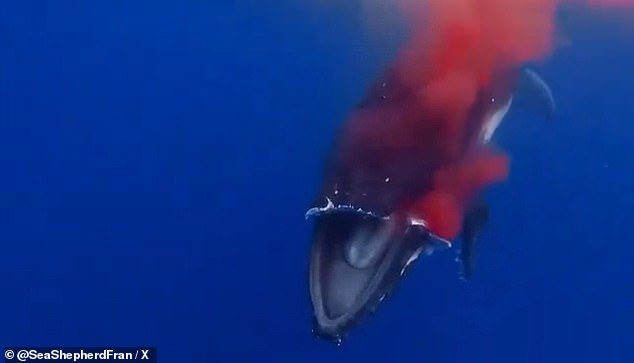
(357, 259)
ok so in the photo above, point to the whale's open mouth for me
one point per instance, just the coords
(357, 259)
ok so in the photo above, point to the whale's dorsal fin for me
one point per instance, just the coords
(534, 94)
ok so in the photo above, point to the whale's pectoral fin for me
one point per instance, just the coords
(474, 221)
(534, 94)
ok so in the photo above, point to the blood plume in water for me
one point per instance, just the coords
(454, 50)
(454, 187)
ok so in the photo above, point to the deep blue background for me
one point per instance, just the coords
(157, 158)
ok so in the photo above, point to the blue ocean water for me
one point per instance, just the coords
(158, 157)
